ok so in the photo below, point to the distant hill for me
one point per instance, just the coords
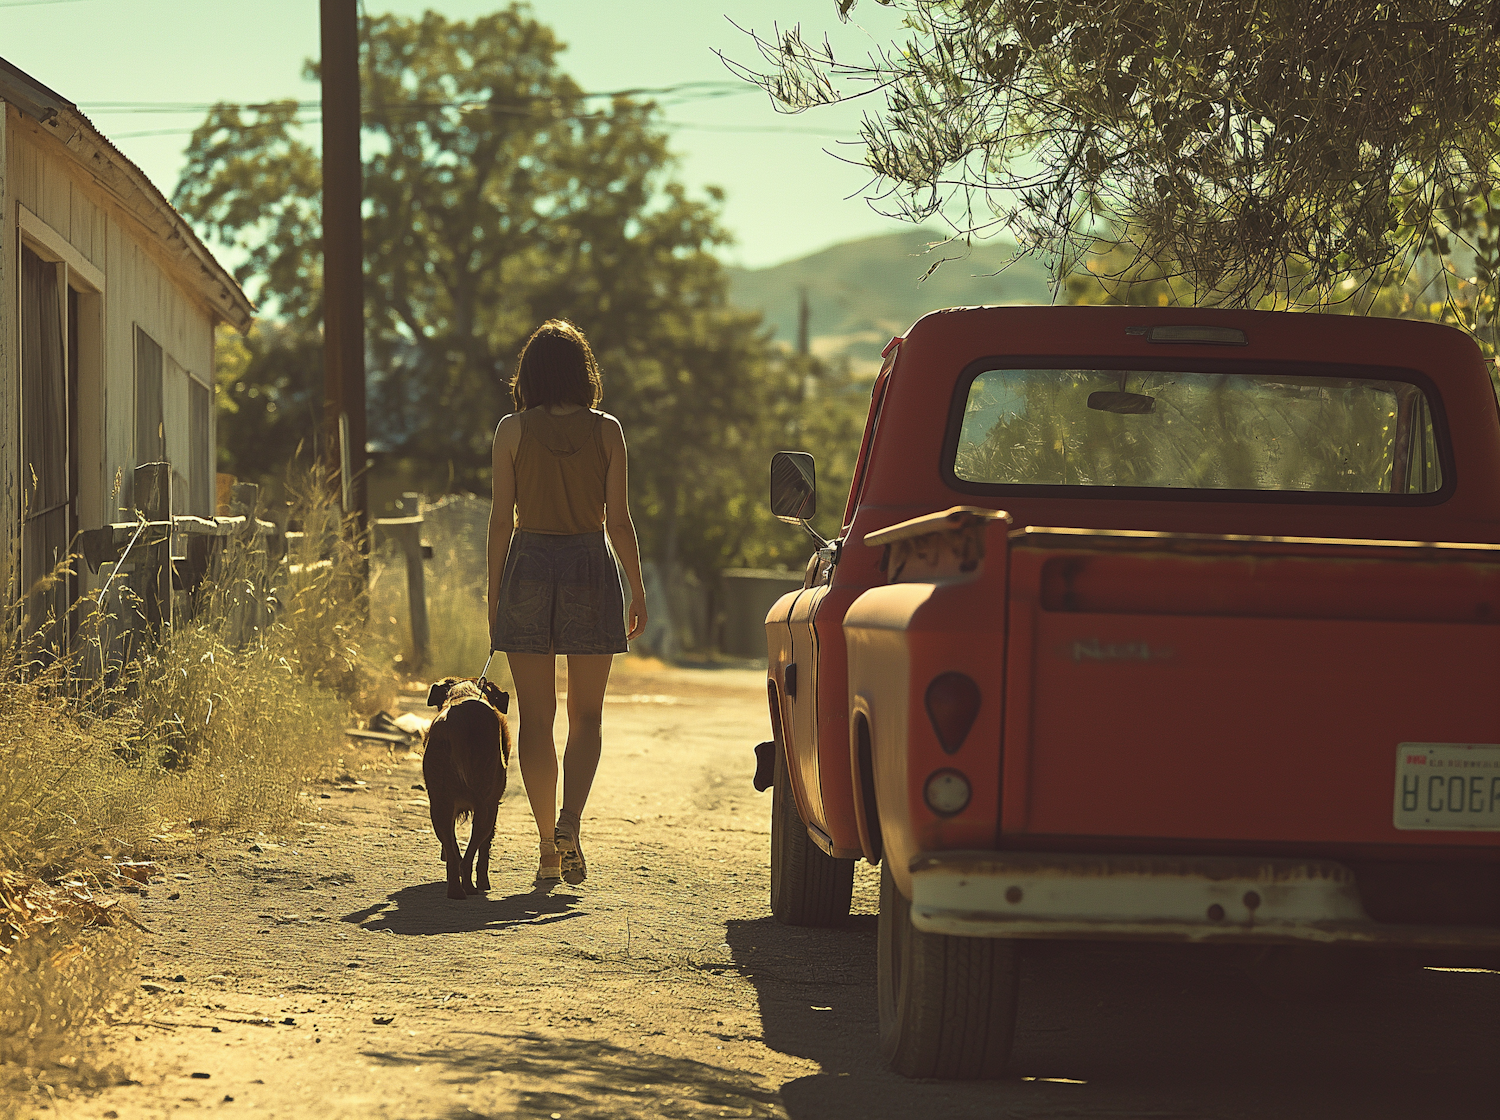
(861, 293)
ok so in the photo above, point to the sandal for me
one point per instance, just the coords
(574, 868)
(549, 865)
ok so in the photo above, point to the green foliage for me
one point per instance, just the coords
(498, 195)
(1455, 279)
(251, 183)
(268, 389)
(1243, 149)
(1114, 275)
(1449, 274)
(722, 507)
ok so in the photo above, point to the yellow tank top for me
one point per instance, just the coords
(560, 471)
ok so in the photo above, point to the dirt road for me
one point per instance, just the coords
(325, 974)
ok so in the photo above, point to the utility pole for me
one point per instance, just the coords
(804, 315)
(343, 259)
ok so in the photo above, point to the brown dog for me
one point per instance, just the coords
(467, 754)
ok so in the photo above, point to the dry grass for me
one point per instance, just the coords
(456, 583)
(53, 988)
(215, 726)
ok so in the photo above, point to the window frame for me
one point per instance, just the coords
(1169, 364)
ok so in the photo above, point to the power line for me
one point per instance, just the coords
(675, 126)
(688, 126)
(151, 132)
(679, 92)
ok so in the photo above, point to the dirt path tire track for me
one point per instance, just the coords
(663, 988)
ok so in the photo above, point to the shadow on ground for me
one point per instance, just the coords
(588, 1079)
(1137, 1031)
(427, 909)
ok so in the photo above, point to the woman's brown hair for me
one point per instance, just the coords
(556, 366)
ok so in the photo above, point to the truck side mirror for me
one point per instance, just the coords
(794, 487)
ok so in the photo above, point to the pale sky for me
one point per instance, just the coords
(787, 195)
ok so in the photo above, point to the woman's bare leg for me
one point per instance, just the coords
(588, 675)
(535, 675)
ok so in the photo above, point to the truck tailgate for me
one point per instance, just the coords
(1258, 691)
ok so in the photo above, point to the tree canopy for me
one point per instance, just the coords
(498, 193)
(1242, 149)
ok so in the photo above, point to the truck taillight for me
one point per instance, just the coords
(952, 704)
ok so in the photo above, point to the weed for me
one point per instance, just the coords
(213, 723)
(54, 987)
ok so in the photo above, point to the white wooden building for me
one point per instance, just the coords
(108, 304)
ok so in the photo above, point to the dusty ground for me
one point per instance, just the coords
(325, 974)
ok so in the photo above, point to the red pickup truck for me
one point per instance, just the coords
(1150, 624)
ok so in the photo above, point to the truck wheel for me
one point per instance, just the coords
(808, 886)
(947, 1004)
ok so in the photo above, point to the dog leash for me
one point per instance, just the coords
(504, 704)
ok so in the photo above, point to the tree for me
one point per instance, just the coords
(495, 197)
(269, 398)
(1242, 150)
(1453, 279)
(1456, 280)
(499, 194)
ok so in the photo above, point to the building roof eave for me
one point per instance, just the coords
(133, 190)
(37, 101)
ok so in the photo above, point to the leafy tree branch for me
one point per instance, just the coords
(1242, 150)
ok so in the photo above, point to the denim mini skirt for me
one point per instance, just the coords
(559, 594)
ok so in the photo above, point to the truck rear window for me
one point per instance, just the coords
(1219, 431)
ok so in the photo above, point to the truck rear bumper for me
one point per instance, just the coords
(1158, 898)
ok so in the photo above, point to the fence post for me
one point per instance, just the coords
(243, 497)
(153, 501)
(416, 580)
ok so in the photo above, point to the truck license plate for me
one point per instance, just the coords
(1448, 786)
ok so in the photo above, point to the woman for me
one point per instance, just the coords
(560, 484)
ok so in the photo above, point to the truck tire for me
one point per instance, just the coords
(947, 1004)
(808, 886)
(1317, 972)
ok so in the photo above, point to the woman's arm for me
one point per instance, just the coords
(502, 509)
(618, 524)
